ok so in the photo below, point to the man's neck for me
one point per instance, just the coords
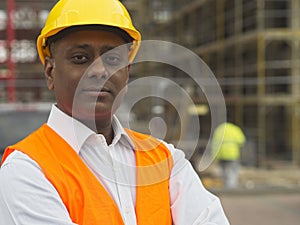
(102, 126)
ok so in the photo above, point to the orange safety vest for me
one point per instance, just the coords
(86, 200)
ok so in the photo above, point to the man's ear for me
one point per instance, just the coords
(127, 78)
(128, 71)
(48, 71)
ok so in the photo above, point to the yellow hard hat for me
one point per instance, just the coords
(67, 13)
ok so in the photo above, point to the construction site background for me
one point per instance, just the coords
(252, 47)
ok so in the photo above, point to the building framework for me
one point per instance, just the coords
(21, 77)
(253, 49)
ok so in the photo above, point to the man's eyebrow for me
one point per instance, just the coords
(107, 48)
(103, 49)
(120, 49)
(83, 46)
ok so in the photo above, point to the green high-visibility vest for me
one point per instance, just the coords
(227, 141)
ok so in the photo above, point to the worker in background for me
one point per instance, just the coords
(82, 167)
(228, 139)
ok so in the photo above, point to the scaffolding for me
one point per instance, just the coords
(21, 77)
(10, 32)
(253, 49)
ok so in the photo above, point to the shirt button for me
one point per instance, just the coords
(127, 210)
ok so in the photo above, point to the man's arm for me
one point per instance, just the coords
(26, 196)
(191, 203)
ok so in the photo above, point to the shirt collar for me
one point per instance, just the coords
(76, 133)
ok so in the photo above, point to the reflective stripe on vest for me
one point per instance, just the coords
(86, 200)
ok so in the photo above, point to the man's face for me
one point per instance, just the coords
(75, 70)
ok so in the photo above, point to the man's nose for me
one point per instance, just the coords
(97, 69)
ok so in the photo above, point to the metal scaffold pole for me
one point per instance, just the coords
(10, 32)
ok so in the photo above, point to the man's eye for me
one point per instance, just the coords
(112, 60)
(79, 59)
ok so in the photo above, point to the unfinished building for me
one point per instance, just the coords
(253, 49)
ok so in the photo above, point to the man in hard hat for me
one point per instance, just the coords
(82, 167)
(228, 139)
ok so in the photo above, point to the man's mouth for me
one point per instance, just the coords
(96, 91)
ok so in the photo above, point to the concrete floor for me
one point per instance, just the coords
(262, 208)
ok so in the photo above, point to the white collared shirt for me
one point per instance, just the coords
(27, 197)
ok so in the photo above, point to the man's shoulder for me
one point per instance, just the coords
(18, 159)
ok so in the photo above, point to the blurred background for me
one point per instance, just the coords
(251, 46)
